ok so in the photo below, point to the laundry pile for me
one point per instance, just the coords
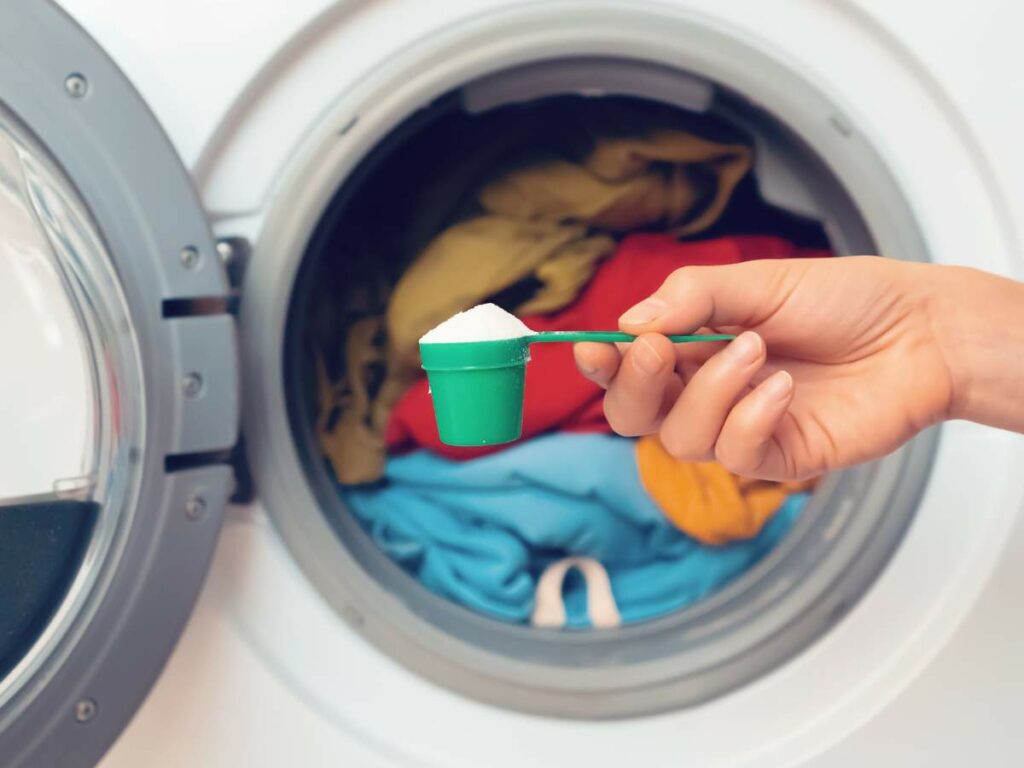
(565, 217)
(481, 532)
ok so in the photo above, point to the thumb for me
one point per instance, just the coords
(741, 295)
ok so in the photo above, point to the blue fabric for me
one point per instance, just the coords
(480, 532)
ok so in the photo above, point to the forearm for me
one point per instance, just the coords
(979, 320)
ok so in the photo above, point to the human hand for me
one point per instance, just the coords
(838, 361)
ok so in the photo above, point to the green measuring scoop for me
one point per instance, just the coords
(477, 386)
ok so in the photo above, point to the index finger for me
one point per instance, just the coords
(741, 295)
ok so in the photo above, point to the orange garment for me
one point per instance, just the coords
(706, 501)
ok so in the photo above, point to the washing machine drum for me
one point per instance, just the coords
(754, 624)
(117, 402)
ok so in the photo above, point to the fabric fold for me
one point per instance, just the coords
(481, 532)
(706, 501)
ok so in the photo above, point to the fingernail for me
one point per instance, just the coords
(744, 349)
(646, 311)
(646, 356)
(778, 386)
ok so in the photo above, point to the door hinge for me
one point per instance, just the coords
(234, 254)
(243, 491)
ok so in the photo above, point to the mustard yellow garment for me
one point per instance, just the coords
(478, 258)
(546, 215)
(706, 501)
(346, 430)
(540, 221)
(669, 179)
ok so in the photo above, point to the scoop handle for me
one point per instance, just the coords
(613, 336)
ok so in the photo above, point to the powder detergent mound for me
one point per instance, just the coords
(484, 322)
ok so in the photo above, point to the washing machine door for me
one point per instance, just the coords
(118, 393)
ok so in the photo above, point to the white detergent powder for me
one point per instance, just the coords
(484, 322)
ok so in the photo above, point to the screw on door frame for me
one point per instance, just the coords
(85, 710)
(189, 257)
(76, 85)
(192, 384)
(195, 507)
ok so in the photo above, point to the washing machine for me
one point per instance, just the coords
(180, 583)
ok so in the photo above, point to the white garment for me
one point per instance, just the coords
(549, 608)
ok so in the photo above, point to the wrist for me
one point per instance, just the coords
(979, 325)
